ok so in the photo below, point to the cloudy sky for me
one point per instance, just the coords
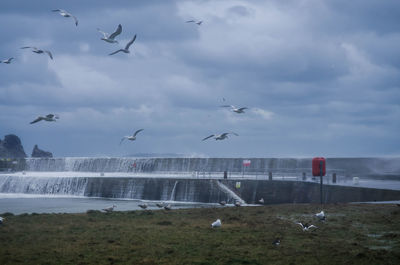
(320, 78)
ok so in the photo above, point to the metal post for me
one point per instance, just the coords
(320, 172)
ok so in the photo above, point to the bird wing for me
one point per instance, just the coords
(10, 59)
(226, 106)
(189, 21)
(49, 53)
(37, 119)
(212, 135)
(76, 20)
(199, 23)
(117, 32)
(115, 52)
(234, 133)
(241, 109)
(28, 47)
(302, 226)
(105, 34)
(122, 140)
(50, 116)
(57, 10)
(130, 43)
(138, 131)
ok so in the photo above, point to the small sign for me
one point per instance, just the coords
(246, 162)
(238, 184)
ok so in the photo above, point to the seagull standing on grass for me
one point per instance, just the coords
(126, 49)
(48, 117)
(216, 223)
(168, 207)
(276, 242)
(306, 226)
(220, 136)
(39, 51)
(66, 14)
(234, 109)
(321, 216)
(143, 206)
(110, 39)
(109, 209)
(131, 137)
(8, 61)
(160, 205)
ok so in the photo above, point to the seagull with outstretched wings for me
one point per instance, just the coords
(131, 137)
(126, 49)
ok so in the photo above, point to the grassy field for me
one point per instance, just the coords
(352, 234)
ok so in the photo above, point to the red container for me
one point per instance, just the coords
(316, 166)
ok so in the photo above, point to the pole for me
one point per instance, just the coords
(320, 172)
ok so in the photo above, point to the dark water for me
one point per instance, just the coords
(20, 203)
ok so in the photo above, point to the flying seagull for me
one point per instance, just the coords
(126, 49)
(48, 117)
(216, 223)
(220, 136)
(131, 137)
(194, 21)
(110, 39)
(234, 109)
(306, 226)
(8, 61)
(321, 216)
(109, 209)
(66, 14)
(38, 51)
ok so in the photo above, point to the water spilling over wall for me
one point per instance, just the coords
(349, 166)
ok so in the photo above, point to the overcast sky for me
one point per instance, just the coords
(320, 78)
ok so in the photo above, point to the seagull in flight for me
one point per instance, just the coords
(131, 137)
(306, 226)
(39, 51)
(8, 61)
(110, 39)
(234, 109)
(48, 117)
(220, 136)
(194, 21)
(126, 49)
(64, 13)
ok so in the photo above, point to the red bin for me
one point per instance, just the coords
(316, 161)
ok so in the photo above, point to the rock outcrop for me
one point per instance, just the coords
(36, 152)
(11, 147)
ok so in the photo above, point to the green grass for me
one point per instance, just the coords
(352, 234)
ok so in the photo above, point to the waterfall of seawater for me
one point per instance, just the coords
(172, 198)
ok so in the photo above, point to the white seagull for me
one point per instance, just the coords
(238, 204)
(2, 220)
(110, 39)
(234, 109)
(194, 21)
(109, 209)
(143, 206)
(306, 226)
(126, 49)
(168, 207)
(131, 137)
(220, 136)
(66, 14)
(8, 61)
(261, 200)
(321, 216)
(216, 223)
(48, 117)
(38, 51)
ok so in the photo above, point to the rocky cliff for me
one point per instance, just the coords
(36, 152)
(11, 147)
